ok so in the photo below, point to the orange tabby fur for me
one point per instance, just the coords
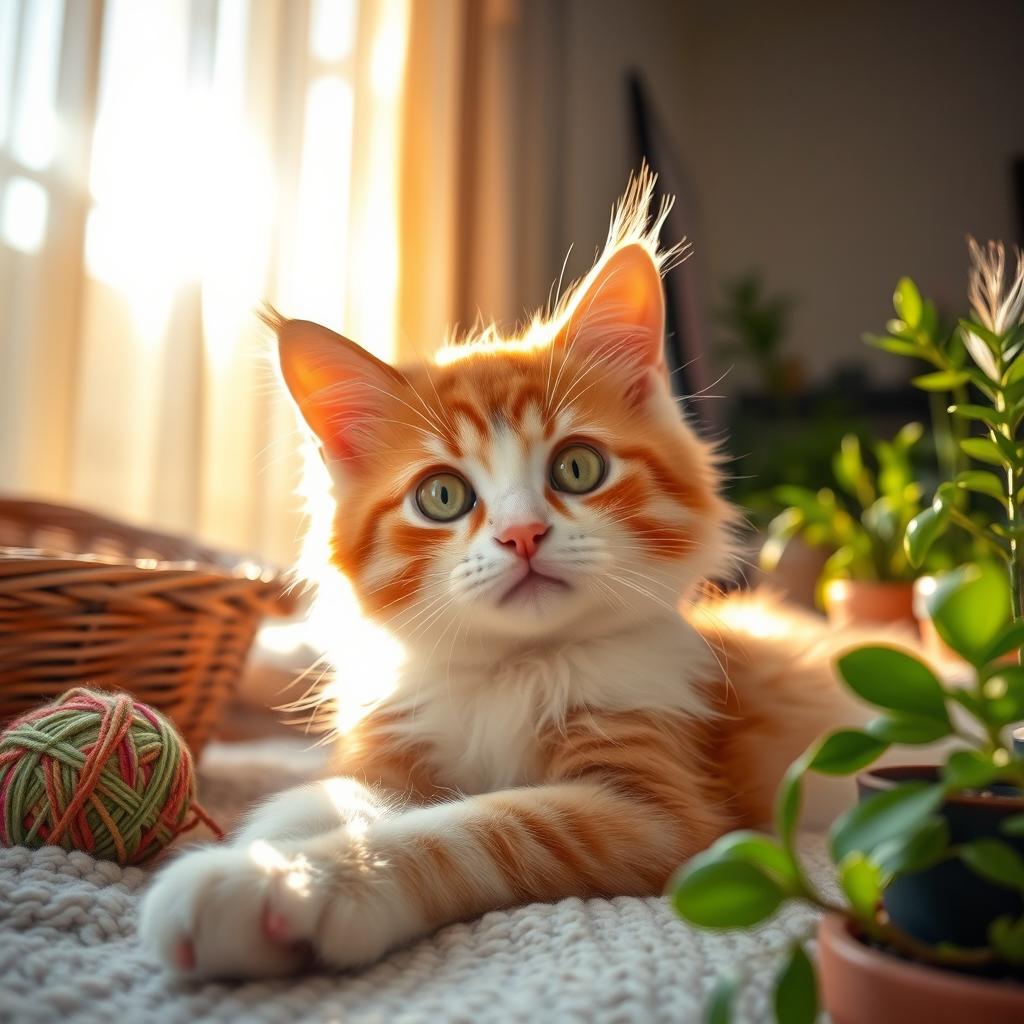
(583, 741)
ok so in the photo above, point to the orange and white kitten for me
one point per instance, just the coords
(540, 502)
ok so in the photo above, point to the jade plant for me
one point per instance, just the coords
(863, 520)
(746, 876)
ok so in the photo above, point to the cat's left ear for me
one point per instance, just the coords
(621, 315)
(341, 389)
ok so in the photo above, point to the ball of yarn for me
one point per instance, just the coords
(97, 772)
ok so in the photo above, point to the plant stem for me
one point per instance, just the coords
(881, 929)
(1012, 517)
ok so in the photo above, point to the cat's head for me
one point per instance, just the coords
(523, 486)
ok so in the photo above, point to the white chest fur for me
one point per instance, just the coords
(482, 716)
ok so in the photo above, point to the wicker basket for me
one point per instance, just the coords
(88, 600)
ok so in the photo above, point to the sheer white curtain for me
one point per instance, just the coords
(164, 167)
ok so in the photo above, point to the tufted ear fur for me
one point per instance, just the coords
(620, 314)
(338, 386)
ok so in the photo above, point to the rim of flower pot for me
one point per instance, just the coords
(893, 977)
(882, 779)
(841, 583)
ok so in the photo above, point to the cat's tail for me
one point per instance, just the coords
(779, 692)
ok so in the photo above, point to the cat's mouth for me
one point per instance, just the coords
(533, 584)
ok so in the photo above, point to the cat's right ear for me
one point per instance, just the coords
(339, 387)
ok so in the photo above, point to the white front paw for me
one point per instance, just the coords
(269, 909)
(219, 912)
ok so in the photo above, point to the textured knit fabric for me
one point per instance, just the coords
(68, 950)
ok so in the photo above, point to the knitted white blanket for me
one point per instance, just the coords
(68, 951)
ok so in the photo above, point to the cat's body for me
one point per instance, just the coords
(531, 518)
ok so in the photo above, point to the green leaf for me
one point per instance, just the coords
(914, 850)
(1015, 372)
(845, 752)
(924, 530)
(982, 449)
(912, 729)
(796, 990)
(1010, 639)
(994, 860)
(759, 850)
(850, 472)
(1007, 937)
(906, 301)
(943, 380)
(781, 530)
(897, 346)
(994, 342)
(861, 880)
(884, 816)
(1007, 447)
(725, 894)
(719, 1007)
(891, 679)
(970, 608)
(1012, 826)
(977, 412)
(967, 769)
(981, 482)
(788, 801)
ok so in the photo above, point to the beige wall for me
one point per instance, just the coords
(834, 146)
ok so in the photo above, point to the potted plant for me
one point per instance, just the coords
(867, 577)
(994, 339)
(931, 860)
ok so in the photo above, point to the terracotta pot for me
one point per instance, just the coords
(948, 902)
(863, 985)
(855, 602)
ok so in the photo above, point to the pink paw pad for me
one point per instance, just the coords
(184, 955)
(276, 926)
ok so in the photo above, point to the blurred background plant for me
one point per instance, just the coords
(862, 519)
(756, 326)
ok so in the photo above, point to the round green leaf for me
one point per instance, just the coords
(796, 990)
(861, 881)
(1011, 639)
(970, 608)
(924, 530)
(891, 679)
(726, 894)
(912, 729)
(967, 769)
(845, 752)
(759, 850)
(884, 816)
(788, 801)
(995, 860)
(913, 850)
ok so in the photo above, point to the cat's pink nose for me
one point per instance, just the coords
(525, 539)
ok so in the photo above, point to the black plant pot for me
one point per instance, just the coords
(948, 902)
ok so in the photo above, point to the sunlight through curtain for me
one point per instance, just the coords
(164, 168)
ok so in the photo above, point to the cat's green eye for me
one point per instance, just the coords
(444, 497)
(577, 468)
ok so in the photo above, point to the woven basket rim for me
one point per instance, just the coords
(244, 569)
